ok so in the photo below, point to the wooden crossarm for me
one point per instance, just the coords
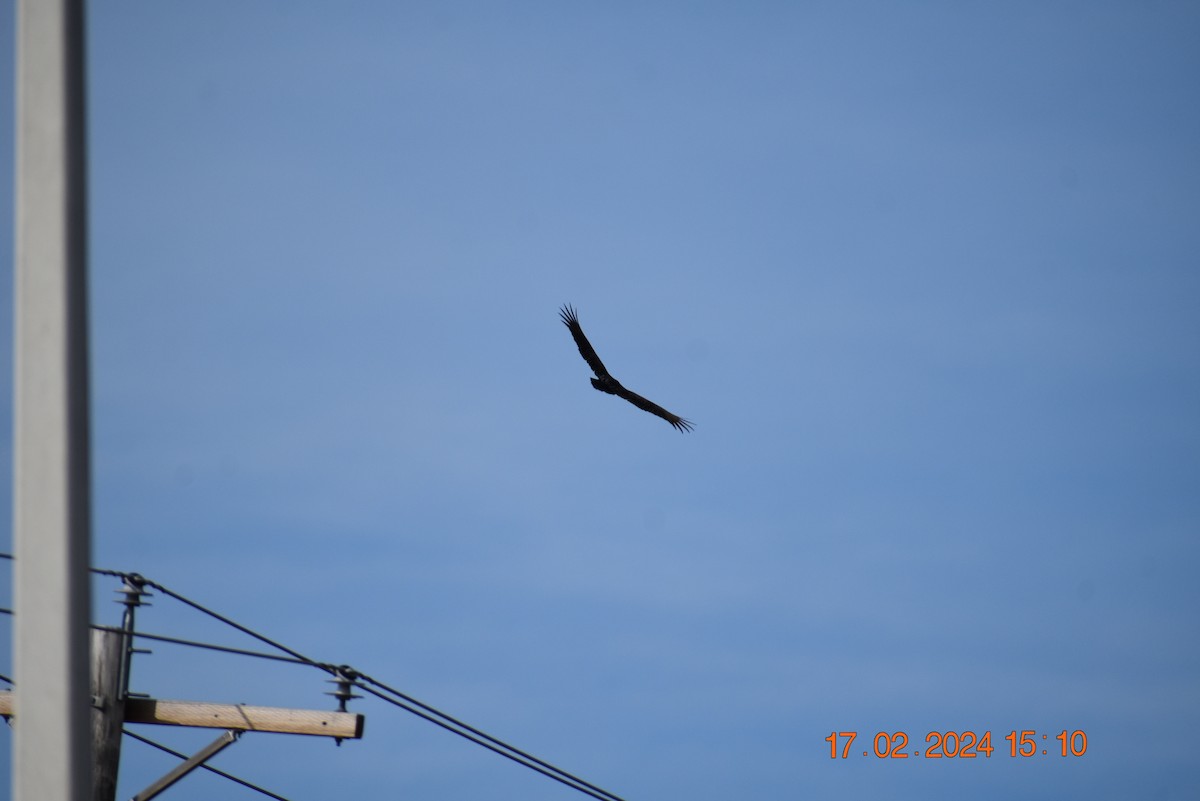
(240, 717)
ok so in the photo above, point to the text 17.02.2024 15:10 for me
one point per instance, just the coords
(962, 745)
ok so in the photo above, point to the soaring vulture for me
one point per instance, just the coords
(605, 382)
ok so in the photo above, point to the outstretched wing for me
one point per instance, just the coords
(571, 320)
(649, 406)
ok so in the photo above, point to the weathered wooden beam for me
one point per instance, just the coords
(240, 717)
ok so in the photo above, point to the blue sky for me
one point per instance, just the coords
(924, 275)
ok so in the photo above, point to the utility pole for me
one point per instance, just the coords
(51, 474)
(108, 711)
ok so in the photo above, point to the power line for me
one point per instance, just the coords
(206, 766)
(448, 722)
(489, 738)
(196, 644)
(431, 714)
(98, 570)
(207, 645)
(559, 775)
(260, 637)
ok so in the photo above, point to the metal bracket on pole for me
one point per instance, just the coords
(228, 737)
(133, 593)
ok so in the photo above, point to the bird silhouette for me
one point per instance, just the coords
(605, 382)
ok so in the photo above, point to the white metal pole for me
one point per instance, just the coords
(51, 476)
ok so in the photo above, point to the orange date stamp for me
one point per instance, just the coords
(1024, 743)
